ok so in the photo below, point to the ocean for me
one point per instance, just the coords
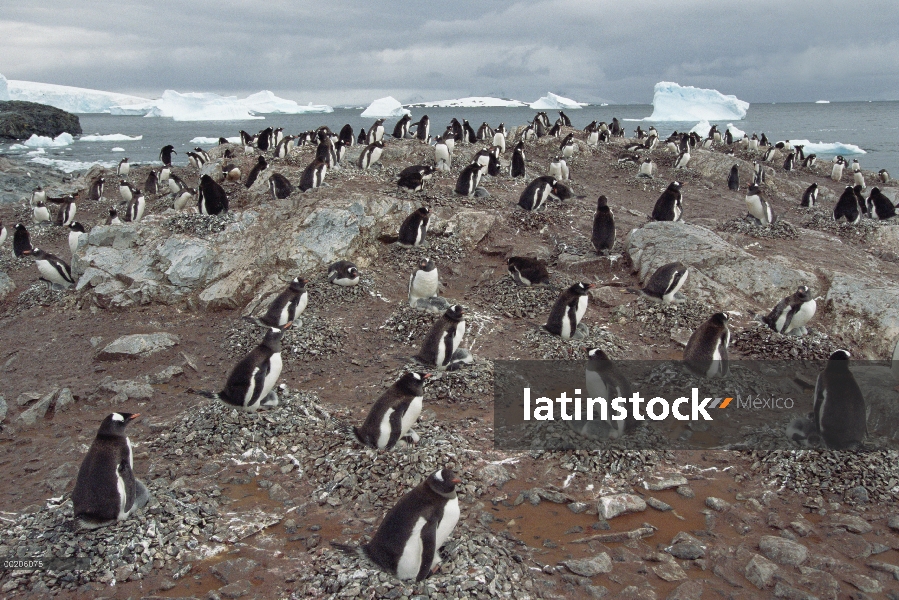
(870, 125)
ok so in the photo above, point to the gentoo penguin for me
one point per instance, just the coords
(566, 314)
(809, 161)
(810, 196)
(282, 150)
(468, 134)
(706, 351)
(151, 184)
(196, 159)
(568, 146)
(540, 190)
(669, 206)
(763, 141)
(424, 288)
(788, 163)
(113, 218)
(363, 137)
(440, 347)
(858, 178)
(346, 135)
(184, 198)
(212, 198)
(758, 173)
(792, 313)
(414, 177)
(343, 273)
(408, 541)
(65, 214)
(603, 238)
(837, 172)
(123, 168)
(339, 152)
(860, 200)
(565, 120)
(646, 168)
(840, 412)
(251, 384)
(414, 228)
(38, 195)
(134, 212)
(175, 184)
(423, 129)
(76, 230)
(847, 206)
(390, 419)
(800, 152)
(604, 380)
(884, 176)
(759, 208)
(96, 190)
(264, 139)
(449, 138)
(683, 159)
(442, 157)
(258, 168)
(3, 233)
(165, 155)
(279, 186)
(40, 213)
(53, 269)
(313, 175)
(499, 138)
(401, 129)
(484, 132)
(376, 133)
(370, 155)
(231, 172)
(106, 489)
(325, 151)
(528, 271)
(468, 180)
(733, 180)
(558, 168)
(856, 166)
(247, 140)
(21, 241)
(769, 154)
(286, 307)
(754, 142)
(879, 206)
(518, 168)
(164, 174)
(126, 190)
(665, 284)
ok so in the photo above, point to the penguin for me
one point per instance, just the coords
(758, 173)
(123, 168)
(706, 351)
(860, 200)
(196, 159)
(536, 194)
(21, 241)
(113, 218)
(258, 168)
(884, 176)
(527, 271)
(840, 412)
(788, 163)
(558, 168)
(409, 539)
(279, 186)
(184, 198)
(440, 348)
(53, 269)
(484, 132)
(683, 159)
(401, 129)
(499, 138)
(615, 128)
(423, 129)
(313, 175)
(664, 285)
(414, 177)
(65, 214)
(231, 172)
(468, 133)
(343, 273)
(759, 208)
(414, 228)
(376, 133)
(847, 206)
(277, 135)
(286, 307)
(282, 150)
(556, 129)
(628, 159)
(346, 135)
(40, 213)
(106, 489)
(714, 134)
(568, 146)
(856, 166)
(325, 152)
(669, 206)
(468, 180)
(3, 233)
(810, 196)
(646, 168)
(565, 120)
(151, 184)
(603, 238)
(442, 157)
(134, 212)
(251, 384)
(390, 420)
(126, 191)
(96, 189)
(733, 180)
(809, 161)
(769, 154)
(858, 178)
(175, 184)
(363, 137)
(518, 168)
(76, 230)
(339, 152)
(879, 206)
(165, 155)
(212, 198)
(792, 313)
(424, 288)
(247, 140)
(763, 141)
(370, 155)
(837, 172)
(603, 379)
(264, 139)
(566, 314)
(754, 142)
(449, 138)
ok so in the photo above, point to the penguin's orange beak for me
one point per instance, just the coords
(134, 416)
(426, 375)
(455, 480)
(287, 325)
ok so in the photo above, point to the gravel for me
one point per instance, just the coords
(198, 225)
(763, 343)
(780, 230)
(313, 339)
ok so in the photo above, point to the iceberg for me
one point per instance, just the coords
(117, 149)
(822, 101)
(4, 88)
(828, 148)
(214, 140)
(738, 134)
(702, 128)
(472, 102)
(67, 166)
(267, 103)
(672, 102)
(384, 108)
(112, 137)
(552, 101)
(39, 141)
(193, 106)
(71, 99)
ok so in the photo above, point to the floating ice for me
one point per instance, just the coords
(4, 88)
(702, 128)
(267, 103)
(384, 108)
(67, 166)
(472, 102)
(828, 148)
(552, 101)
(192, 106)
(117, 149)
(822, 101)
(111, 137)
(213, 140)
(738, 134)
(71, 99)
(39, 141)
(672, 102)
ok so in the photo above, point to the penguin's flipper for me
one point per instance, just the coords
(428, 548)
(347, 549)
(254, 320)
(270, 401)
(396, 424)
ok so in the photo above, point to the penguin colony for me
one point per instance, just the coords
(409, 538)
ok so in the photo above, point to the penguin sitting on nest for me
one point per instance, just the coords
(604, 380)
(424, 288)
(440, 347)
(390, 420)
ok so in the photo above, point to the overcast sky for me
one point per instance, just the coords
(342, 53)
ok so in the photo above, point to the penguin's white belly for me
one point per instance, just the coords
(581, 309)
(593, 138)
(41, 215)
(275, 364)
(139, 210)
(596, 386)
(301, 305)
(678, 211)
(646, 169)
(410, 560)
(837, 172)
(411, 415)
(567, 151)
(173, 186)
(524, 280)
(424, 285)
(182, 200)
(716, 366)
(70, 216)
(3, 235)
(781, 321)
(670, 295)
(126, 193)
(74, 236)
(347, 281)
(49, 272)
(457, 338)
(445, 527)
(441, 152)
(375, 155)
(756, 209)
(804, 315)
(499, 140)
(123, 495)
(555, 170)
(384, 429)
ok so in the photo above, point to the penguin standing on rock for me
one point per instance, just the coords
(423, 129)
(134, 212)
(124, 168)
(788, 163)
(528, 271)
(113, 218)
(837, 172)
(40, 213)
(390, 420)
(414, 177)
(212, 199)
(231, 172)
(414, 228)
(518, 168)
(858, 179)
(810, 196)
(566, 314)
(21, 241)
(260, 166)
(175, 184)
(440, 347)
(424, 288)
(38, 195)
(370, 155)
(53, 269)
(847, 206)
(286, 307)
(76, 230)
(860, 200)
(313, 175)
(96, 189)
(665, 284)
(343, 273)
(279, 186)
(879, 206)
(558, 168)
(401, 129)
(669, 205)
(603, 238)
(106, 489)
(65, 214)
(759, 208)
(840, 412)
(346, 135)
(706, 351)
(733, 180)
(646, 168)
(409, 539)
(151, 184)
(884, 176)
(165, 155)
(792, 313)
(185, 197)
(126, 190)
(442, 157)
(604, 380)
(468, 180)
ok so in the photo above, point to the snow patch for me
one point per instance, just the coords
(214, 140)
(71, 99)
(472, 102)
(268, 103)
(551, 101)
(4, 88)
(384, 108)
(828, 148)
(673, 102)
(39, 141)
(111, 137)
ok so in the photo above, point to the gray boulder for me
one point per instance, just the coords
(138, 344)
(867, 309)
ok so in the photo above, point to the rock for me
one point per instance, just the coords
(37, 411)
(494, 475)
(597, 591)
(278, 493)
(850, 544)
(238, 589)
(133, 390)
(20, 120)
(717, 504)
(859, 494)
(612, 506)
(669, 571)
(686, 491)
(472, 226)
(783, 552)
(688, 590)
(138, 345)
(3, 408)
(231, 571)
(863, 582)
(64, 400)
(6, 286)
(588, 567)
(666, 482)
(802, 527)
(575, 507)
(165, 376)
(821, 583)
(893, 523)
(685, 547)
(760, 571)
(782, 590)
(850, 523)
(26, 398)
(867, 311)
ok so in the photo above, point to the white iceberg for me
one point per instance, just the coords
(117, 149)
(4, 88)
(551, 101)
(67, 166)
(111, 137)
(71, 99)
(40, 141)
(827, 148)
(267, 103)
(822, 101)
(702, 128)
(194, 106)
(385, 108)
(214, 140)
(673, 102)
(738, 134)
(472, 102)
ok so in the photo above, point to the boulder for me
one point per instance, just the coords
(760, 571)
(138, 345)
(20, 120)
(588, 567)
(6, 286)
(868, 316)
(37, 410)
(783, 551)
(612, 506)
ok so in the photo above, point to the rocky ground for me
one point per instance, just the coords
(245, 505)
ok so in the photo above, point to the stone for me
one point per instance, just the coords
(589, 567)
(37, 410)
(165, 376)
(27, 398)
(658, 504)
(717, 504)
(783, 552)
(64, 400)
(597, 591)
(575, 507)
(133, 390)
(893, 522)
(238, 589)
(278, 494)
(615, 505)
(821, 583)
(231, 571)
(760, 571)
(494, 475)
(138, 345)
(6, 286)
(863, 582)
(850, 523)
(867, 311)
(669, 571)
(850, 544)
(20, 120)
(688, 590)
(3, 409)
(802, 527)
(665, 482)
(782, 590)
(686, 551)
(859, 495)
(685, 491)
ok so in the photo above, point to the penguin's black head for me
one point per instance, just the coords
(427, 264)
(561, 191)
(112, 213)
(20, 227)
(443, 482)
(114, 424)
(413, 383)
(840, 355)
(298, 283)
(857, 189)
(597, 354)
(754, 189)
(273, 338)
(454, 312)
(424, 212)
(802, 293)
(581, 289)
(719, 319)
(675, 186)
(76, 226)
(262, 162)
(601, 202)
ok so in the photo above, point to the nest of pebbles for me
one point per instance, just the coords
(538, 344)
(657, 319)
(40, 293)
(763, 343)
(445, 250)
(324, 295)
(514, 301)
(780, 230)
(197, 224)
(823, 221)
(408, 325)
(312, 338)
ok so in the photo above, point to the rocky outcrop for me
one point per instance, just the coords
(19, 120)
(867, 309)
(6, 285)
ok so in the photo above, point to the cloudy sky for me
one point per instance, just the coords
(352, 52)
